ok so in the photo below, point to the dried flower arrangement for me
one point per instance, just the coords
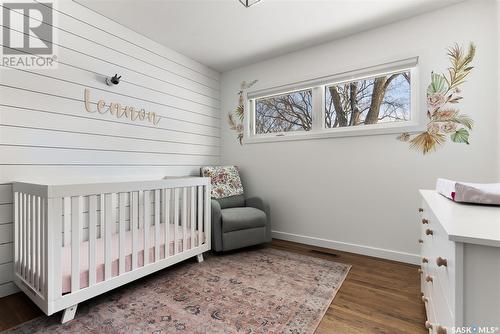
(235, 118)
(444, 91)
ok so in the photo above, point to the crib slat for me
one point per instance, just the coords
(108, 225)
(54, 231)
(67, 220)
(192, 210)
(31, 239)
(23, 234)
(184, 219)
(157, 225)
(43, 248)
(207, 213)
(133, 226)
(100, 231)
(16, 232)
(121, 264)
(37, 243)
(147, 220)
(166, 215)
(176, 220)
(27, 240)
(200, 215)
(92, 239)
(76, 226)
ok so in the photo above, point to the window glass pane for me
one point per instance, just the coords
(381, 99)
(284, 113)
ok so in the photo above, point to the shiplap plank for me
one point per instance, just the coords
(6, 272)
(109, 56)
(110, 27)
(8, 289)
(6, 233)
(6, 252)
(78, 174)
(41, 155)
(171, 118)
(166, 105)
(5, 191)
(49, 138)
(170, 59)
(25, 116)
(6, 213)
(131, 79)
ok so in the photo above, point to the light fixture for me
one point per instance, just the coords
(248, 3)
(114, 80)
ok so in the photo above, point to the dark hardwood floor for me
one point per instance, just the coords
(378, 296)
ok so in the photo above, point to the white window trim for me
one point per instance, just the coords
(318, 85)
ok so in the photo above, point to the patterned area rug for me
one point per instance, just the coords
(257, 291)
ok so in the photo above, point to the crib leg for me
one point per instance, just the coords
(69, 314)
(199, 258)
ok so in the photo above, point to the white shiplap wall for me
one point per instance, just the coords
(47, 136)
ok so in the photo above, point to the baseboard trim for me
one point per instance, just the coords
(348, 247)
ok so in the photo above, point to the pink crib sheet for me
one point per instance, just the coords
(84, 254)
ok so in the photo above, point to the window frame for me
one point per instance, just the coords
(318, 86)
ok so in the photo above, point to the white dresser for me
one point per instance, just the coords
(460, 248)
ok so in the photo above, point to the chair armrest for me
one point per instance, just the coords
(258, 203)
(216, 232)
(255, 202)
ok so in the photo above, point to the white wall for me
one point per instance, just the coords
(47, 136)
(360, 193)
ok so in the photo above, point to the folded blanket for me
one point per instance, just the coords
(481, 193)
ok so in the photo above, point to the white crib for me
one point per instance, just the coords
(74, 242)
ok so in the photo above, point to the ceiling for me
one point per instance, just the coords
(224, 35)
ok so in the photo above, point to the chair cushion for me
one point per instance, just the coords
(235, 219)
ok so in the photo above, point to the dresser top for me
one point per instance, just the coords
(468, 223)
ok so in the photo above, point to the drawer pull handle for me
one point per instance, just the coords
(425, 221)
(420, 210)
(441, 262)
(425, 299)
(428, 325)
(425, 260)
(429, 232)
(420, 241)
(429, 278)
(441, 330)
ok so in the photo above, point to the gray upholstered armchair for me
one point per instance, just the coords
(236, 221)
(239, 222)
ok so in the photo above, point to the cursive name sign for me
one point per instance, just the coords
(116, 109)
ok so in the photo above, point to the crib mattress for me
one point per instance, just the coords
(115, 251)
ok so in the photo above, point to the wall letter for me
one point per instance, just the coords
(100, 106)
(87, 100)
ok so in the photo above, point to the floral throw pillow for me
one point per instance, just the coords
(226, 180)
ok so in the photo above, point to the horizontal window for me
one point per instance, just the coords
(284, 113)
(375, 100)
(368, 101)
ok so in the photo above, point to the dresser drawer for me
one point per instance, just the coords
(441, 290)
(429, 307)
